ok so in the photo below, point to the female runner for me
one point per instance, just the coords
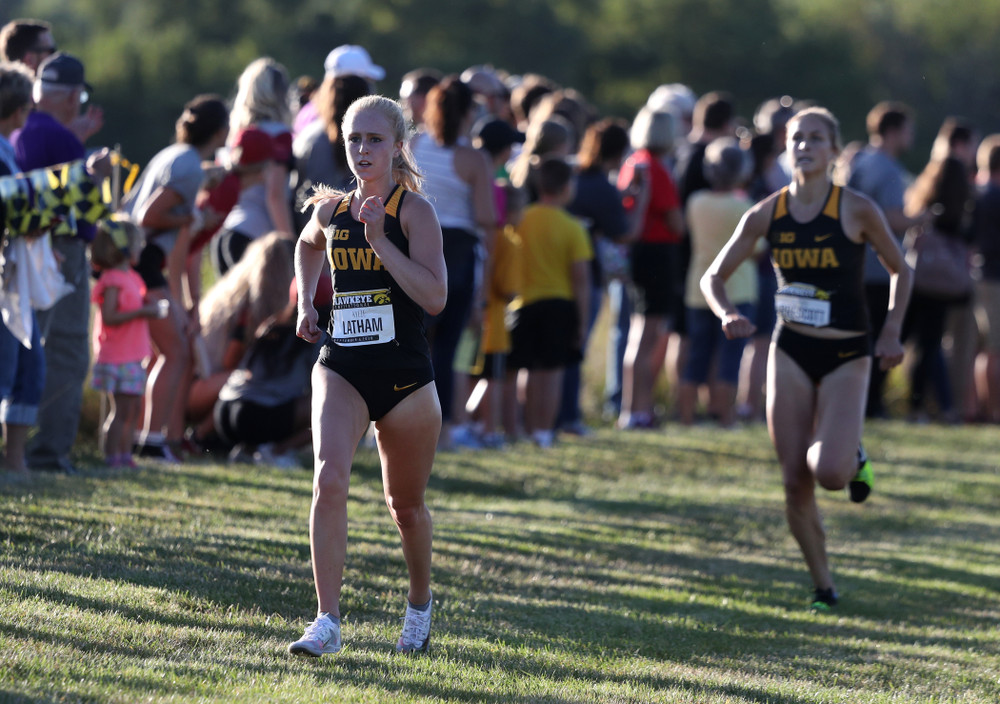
(383, 243)
(820, 355)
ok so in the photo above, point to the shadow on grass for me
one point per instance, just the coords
(591, 580)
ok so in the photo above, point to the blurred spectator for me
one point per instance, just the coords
(987, 248)
(713, 216)
(770, 118)
(320, 157)
(345, 60)
(550, 137)
(654, 265)
(264, 407)
(22, 367)
(494, 397)
(253, 290)
(679, 101)
(714, 116)
(302, 92)
(550, 315)
(525, 96)
(488, 90)
(163, 202)
(121, 335)
(30, 42)
(877, 172)
(769, 174)
(413, 94)
(262, 156)
(458, 182)
(46, 140)
(943, 190)
(597, 203)
(570, 106)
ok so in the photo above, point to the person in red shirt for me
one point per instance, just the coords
(654, 262)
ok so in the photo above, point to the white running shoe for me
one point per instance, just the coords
(265, 454)
(416, 636)
(321, 636)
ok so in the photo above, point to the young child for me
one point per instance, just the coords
(121, 334)
(493, 397)
(550, 315)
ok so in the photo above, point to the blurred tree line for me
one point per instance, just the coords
(146, 58)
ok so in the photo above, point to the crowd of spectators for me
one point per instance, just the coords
(551, 213)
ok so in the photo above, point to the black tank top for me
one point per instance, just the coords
(373, 322)
(816, 260)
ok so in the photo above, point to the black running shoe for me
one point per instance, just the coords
(823, 599)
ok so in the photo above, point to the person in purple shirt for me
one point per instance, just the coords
(46, 140)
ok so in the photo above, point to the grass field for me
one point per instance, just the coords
(622, 567)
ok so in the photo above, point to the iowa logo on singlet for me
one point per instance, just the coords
(353, 259)
(805, 257)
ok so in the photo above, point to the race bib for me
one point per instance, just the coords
(804, 304)
(363, 318)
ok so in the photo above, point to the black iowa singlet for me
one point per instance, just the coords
(373, 321)
(820, 271)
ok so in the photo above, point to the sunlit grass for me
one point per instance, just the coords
(622, 567)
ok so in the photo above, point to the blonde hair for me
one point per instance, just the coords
(256, 288)
(261, 95)
(404, 168)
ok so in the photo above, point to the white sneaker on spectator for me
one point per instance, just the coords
(264, 454)
(463, 436)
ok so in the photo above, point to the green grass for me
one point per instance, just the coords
(623, 567)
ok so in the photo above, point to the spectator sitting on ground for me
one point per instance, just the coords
(230, 313)
(264, 407)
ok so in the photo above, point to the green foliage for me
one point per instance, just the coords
(147, 58)
(624, 567)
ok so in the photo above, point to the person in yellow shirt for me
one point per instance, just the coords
(495, 390)
(549, 317)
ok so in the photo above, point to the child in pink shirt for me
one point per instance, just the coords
(121, 334)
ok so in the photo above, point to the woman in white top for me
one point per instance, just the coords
(458, 181)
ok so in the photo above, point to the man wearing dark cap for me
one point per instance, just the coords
(46, 140)
(497, 138)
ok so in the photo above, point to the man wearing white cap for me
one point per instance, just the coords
(345, 60)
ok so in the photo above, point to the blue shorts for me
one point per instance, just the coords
(709, 343)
